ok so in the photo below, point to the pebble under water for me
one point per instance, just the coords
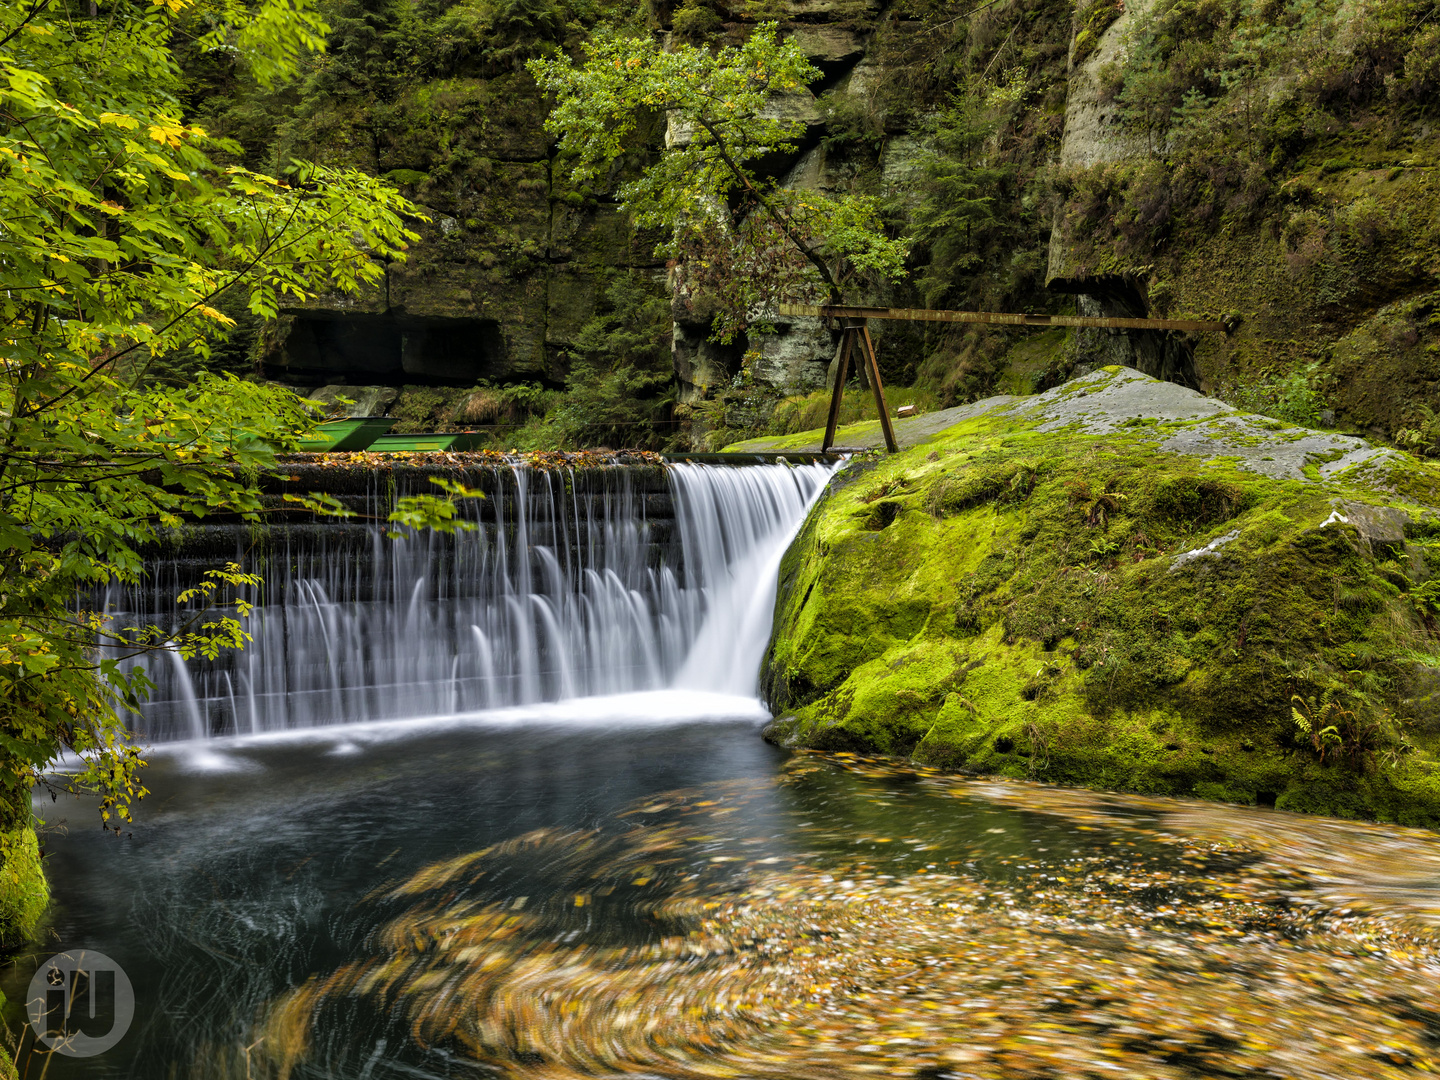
(679, 899)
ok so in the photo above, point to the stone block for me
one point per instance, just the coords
(901, 167)
(507, 315)
(1382, 528)
(829, 44)
(701, 365)
(599, 235)
(793, 360)
(365, 400)
(371, 298)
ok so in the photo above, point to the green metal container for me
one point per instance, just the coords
(352, 433)
(420, 443)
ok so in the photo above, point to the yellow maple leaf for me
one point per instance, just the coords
(120, 120)
(169, 134)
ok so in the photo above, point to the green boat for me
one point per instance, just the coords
(426, 441)
(352, 433)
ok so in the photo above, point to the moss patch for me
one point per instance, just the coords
(24, 892)
(1087, 608)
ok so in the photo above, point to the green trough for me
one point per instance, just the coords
(352, 433)
(427, 441)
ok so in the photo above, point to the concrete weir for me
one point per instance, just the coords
(575, 578)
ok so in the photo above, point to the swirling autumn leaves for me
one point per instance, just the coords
(663, 949)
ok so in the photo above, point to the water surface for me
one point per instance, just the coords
(659, 893)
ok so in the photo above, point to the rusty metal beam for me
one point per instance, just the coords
(1002, 318)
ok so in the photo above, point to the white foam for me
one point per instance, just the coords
(646, 709)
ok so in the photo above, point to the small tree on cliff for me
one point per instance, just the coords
(119, 230)
(740, 238)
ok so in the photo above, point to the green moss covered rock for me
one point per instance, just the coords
(1122, 584)
(24, 892)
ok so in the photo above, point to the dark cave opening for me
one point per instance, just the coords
(393, 348)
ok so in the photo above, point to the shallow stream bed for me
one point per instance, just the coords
(561, 895)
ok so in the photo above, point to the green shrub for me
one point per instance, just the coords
(1293, 397)
(696, 21)
(1421, 435)
(621, 385)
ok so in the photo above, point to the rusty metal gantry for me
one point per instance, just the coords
(856, 332)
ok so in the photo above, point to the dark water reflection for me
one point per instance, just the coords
(684, 900)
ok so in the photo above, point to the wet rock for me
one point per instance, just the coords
(365, 400)
(1210, 550)
(1118, 398)
(1382, 528)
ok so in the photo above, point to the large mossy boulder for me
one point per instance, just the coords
(1122, 584)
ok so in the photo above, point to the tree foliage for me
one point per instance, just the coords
(621, 383)
(120, 230)
(960, 189)
(741, 237)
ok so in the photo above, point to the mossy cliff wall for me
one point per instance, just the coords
(1122, 584)
(510, 265)
(1270, 163)
(434, 96)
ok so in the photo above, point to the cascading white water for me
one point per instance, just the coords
(567, 590)
(735, 525)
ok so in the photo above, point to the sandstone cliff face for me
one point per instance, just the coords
(508, 267)
(1304, 213)
(1287, 188)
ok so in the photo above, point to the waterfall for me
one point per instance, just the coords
(574, 585)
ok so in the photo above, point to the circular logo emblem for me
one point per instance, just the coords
(81, 1003)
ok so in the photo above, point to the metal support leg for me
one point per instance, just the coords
(842, 372)
(874, 368)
